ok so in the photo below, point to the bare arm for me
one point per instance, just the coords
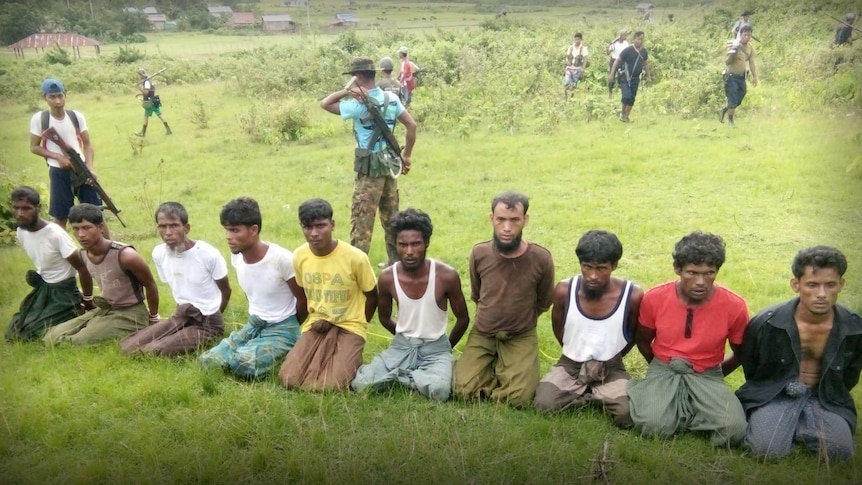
(558, 312)
(732, 361)
(330, 103)
(410, 125)
(753, 69)
(84, 277)
(89, 153)
(36, 148)
(643, 339)
(458, 304)
(301, 300)
(384, 300)
(632, 320)
(132, 262)
(370, 304)
(614, 69)
(223, 288)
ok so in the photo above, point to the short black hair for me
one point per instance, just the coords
(86, 212)
(242, 211)
(172, 209)
(819, 257)
(511, 199)
(579, 35)
(598, 246)
(745, 28)
(312, 210)
(639, 33)
(412, 220)
(699, 248)
(26, 193)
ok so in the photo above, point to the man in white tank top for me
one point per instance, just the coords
(594, 319)
(420, 356)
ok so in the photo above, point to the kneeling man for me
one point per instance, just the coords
(197, 275)
(420, 356)
(55, 297)
(123, 277)
(801, 359)
(594, 318)
(341, 292)
(683, 328)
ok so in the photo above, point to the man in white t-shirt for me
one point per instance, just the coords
(615, 48)
(72, 128)
(197, 275)
(276, 303)
(55, 297)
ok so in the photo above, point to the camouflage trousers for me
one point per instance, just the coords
(369, 193)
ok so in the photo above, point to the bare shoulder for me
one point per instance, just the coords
(447, 273)
(385, 277)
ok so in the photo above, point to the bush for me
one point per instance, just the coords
(128, 55)
(273, 123)
(58, 55)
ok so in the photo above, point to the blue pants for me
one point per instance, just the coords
(734, 89)
(255, 349)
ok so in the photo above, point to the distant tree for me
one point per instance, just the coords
(18, 21)
(132, 23)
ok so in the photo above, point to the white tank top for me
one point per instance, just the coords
(420, 318)
(601, 339)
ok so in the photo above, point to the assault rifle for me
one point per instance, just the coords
(391, 142)
(151, 76)
(82, 173)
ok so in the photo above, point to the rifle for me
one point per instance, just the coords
(82, 172)
(391, 142)
(151, 76)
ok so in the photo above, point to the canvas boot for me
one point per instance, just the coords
(143, 131)
(168, 129)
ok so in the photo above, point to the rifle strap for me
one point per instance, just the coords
(377, 134)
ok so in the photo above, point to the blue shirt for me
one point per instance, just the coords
(363, 123)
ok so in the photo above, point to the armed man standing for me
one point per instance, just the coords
(152, 104)
(740, 58)
(377, 156)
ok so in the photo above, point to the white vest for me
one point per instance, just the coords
(420, 318)
(585, 338)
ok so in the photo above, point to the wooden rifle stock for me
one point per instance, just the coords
(82, 171)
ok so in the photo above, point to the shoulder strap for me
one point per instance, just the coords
(72, 116)
(377, 134)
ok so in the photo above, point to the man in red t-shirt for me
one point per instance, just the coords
(682, 329)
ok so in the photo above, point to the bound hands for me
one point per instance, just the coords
(321, 326)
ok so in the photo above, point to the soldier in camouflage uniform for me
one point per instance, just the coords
(375, 184)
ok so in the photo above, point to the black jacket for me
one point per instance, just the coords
(771, 355)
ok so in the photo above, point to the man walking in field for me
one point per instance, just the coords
(376, 168)
(594, 318)
(406, 76)
(152, 104)
(122, 275)
(633, 60)
(64, 184)
(615, 48)
(577, 59)
(341, 291)
(683, 328)
(420, 356)
(739, 59)
(744, 21)
(55, 297)
(276, 303)
(197, 275)
(512, 283)
(389, 84)
(801, 360)
(844, 32)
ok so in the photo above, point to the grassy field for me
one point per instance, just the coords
(776, 184)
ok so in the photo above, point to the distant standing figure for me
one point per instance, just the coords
(577, 59)
(197, 275)
(406, 76)
(420, 356)
(152, 103)
(844, 32)
(276, 303)
(388, 83)
(739, 60)
(512, 283)
(683, 329)
(64, 184)
(341, 292)
(615, 48)
(122, 275)
(633, 61)
(55, 297)
(744, 21)
(801, 360)
(594, 319)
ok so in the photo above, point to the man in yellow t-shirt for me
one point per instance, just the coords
(740, 58)
(341, 290)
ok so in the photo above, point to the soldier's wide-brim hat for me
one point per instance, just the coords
(748, 13)
(360, 64)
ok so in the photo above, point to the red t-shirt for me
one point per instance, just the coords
(724, 317)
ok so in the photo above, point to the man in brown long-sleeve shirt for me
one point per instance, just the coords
(512, 283)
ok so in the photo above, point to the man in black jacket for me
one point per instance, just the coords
(801, 359)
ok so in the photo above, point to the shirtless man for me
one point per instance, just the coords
(595, 317)
(790, 396)
(420, 356)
